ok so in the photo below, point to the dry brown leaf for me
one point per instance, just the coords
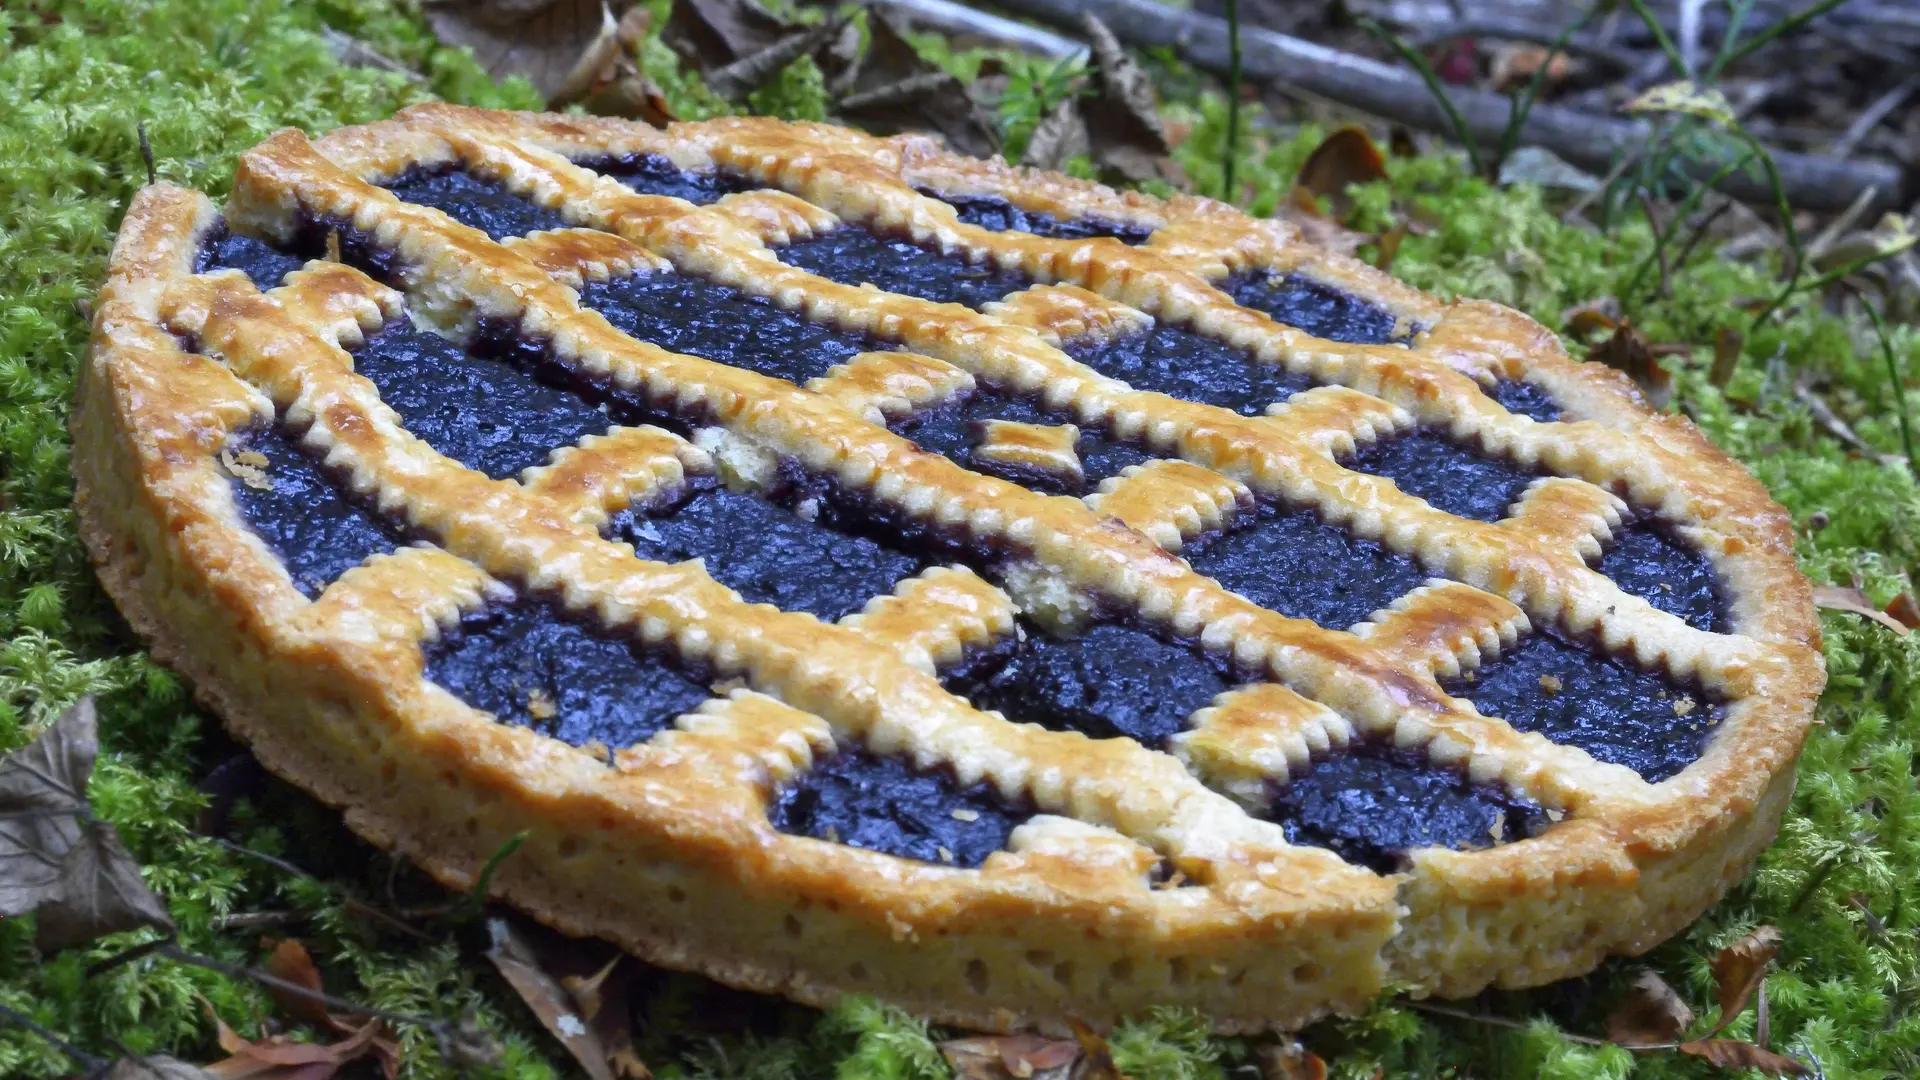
(560, 46)
(1348, 156)
(279, 1058)
(290, 961)
(1302, 211)
(1514, 65)
(1011, 1057)
(1738, 969)
(1734, 1054)
(1289, 1060)
(1585, 320)
(1903, 610)
(736, 80)
(1060, 135)
(1628, 351)
(514, 955)
(1096, 1056)
(893, 89)
(1843, 598)
(1650, 1014)
(1389, 247)
(1123, 118)
(710, 34)
(1727, 343)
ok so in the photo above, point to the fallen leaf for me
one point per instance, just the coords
(560, 46)
(1650, 1014)
(709, 34)
(1348, 156)
(1842, 598)
(1738, 969)
(736, 80)
(68, 868)
(1123, 119)
(1860, 903)
(1628, 351)
(155, 1067)
(1684, 97)
(1400, 142)
(1060, 136)
(1903, 610)
(1289, 1060)
(291, 962)
(1585, 320)
(278, 1057)
(893, 88)
(1302, 211)
(514, 956)
(1389, 247)
(1097, 1056)
(1727, 343)
(1734, 1054)
(1011, 1057)
(1514, 65)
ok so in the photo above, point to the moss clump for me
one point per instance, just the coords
(212, 77)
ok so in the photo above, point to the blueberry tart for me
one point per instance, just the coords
(863, 569)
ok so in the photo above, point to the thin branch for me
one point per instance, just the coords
(1871, 117)
(957, 19)
(346, 901)
(1233, 102)
(337, 1004)
(87, 1061)
(1511, 1025)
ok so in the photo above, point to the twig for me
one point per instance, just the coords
(951, 18)
(337, 1004)
(1824, 415)
(247, 920)
(1461, 132)
(1509, 30)
(146, 149)
(1894, 383)
(349, 902)
(1233, 101)
(126, 956)
(1870, 118)
(1589, 142)
(1699, 232)
(1659, 248)
(1512, 1025)
(87, 1061)
(1847, 219)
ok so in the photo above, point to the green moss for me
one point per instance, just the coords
(211, 77)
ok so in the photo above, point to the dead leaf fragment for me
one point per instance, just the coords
(892, 88)
(1727, 343)
(278, 1057)
(1903, 610)
(1585, 320)
(1302, 211)
(1348, 156)
(1289, 1059)
(1842, 598)
(1011, 1057)
(1123, 118)
(290, 961)
(60, 863)
(1684, 97)
(1627, 351)
(593, 1025)
(1514, 65)
(709, 34)
(1060, 136)
(1650, 1014)
(1097, 1056)
(560, 46)
(1734, 1054)
(1738, 969)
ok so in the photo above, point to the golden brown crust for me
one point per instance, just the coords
(667, 850)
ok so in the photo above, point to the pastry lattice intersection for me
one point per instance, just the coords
(871, 570)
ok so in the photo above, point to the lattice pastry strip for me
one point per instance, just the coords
(1111, 817)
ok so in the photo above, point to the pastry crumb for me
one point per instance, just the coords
(540, 706)
(966, 815)
(1551, 683)
(248, 466)
(1683, 706)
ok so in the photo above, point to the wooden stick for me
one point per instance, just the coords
(1589, 142)
(951, 18)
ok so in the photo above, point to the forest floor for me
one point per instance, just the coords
(209, 78)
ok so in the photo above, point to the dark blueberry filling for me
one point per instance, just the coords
(852, 255)
(1371, 805)
(1293, 563)
(317, 532)
(1318, 309)
(469, 200)
(953, 430)
(1447, 475)
(883, 804)
(692, 315)
(264, 264)
(1607, 707)
(1527, 399)
(529, 665)
(997, 214)
(1651, 561)
(769, 554)
(1112, 681)
(1182, 364)
(653, 174)
(490, 414)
